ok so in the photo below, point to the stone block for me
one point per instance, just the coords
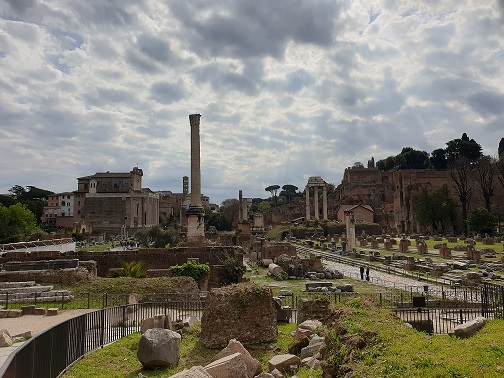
(194, 372)
(468, 329)
(253, 366)
(5, 339)
(52, 312)
(284, 362)
(4, 313)
(28, 310)
(39, 311)
(231, 366)
(159, 347)
(157, 321)
(14, 313)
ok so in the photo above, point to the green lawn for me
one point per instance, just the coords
(394, 351)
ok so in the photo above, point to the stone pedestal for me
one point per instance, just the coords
(404, 245)
(195, 225)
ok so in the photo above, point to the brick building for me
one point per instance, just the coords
(116, 203)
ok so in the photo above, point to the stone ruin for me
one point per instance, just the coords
(245, 312)
(297, 267)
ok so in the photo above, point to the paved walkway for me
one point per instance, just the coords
(34, 323)
(380, 278)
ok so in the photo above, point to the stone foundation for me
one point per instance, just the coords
(245, 312)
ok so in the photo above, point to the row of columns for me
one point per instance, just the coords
(316, 203)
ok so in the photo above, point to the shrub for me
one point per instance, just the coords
(132, 269)
(191, 269)
(232, 270)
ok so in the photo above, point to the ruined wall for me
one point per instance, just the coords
(161, 258)
(273, 250)
(391, 194)
(245, 312)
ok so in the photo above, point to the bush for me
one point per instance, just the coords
(191, 269)
(232, 270)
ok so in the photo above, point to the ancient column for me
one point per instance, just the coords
(240, 205)
(307, 191)
(324, 202)
(194, 120)
(195, 219)
(315, 205)
(350, 230)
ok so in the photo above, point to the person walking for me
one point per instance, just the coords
(361, 272)
(367, 273)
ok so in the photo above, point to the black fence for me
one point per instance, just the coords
(66, 301)
(493, 300)
(438, 320)
(49, 354)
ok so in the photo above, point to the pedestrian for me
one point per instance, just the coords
(361, 272)
(367, 273)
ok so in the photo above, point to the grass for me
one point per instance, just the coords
(119, 359)
(395, 351)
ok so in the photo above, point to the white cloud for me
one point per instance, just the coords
(286, 89)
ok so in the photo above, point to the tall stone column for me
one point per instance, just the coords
(194, 120)
(195, 219)
(240, 205)
(315, 195)
(307, 195)
(324, 202)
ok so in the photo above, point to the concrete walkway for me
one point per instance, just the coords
(34, 323)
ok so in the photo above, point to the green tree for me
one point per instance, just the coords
(289, 191)
(232, 270)
(263, 206)
(273, 189)
(435, 211)
(156, 237)
(217, 220)
(410, 158)
(17, 223)
(386, 164)
(463, 147)
(500, 151)
(34, 198)
(481, 221)
(438, 159)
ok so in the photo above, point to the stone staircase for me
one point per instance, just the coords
(28, 292)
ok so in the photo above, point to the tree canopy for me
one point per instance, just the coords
(463, 147)
(481, 221)
(17, 223)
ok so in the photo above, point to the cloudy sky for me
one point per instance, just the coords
(287, 89)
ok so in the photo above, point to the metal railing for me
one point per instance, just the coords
(51, 352)
(438, 320)
(66, 301)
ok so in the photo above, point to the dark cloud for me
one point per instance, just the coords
(261, 28)
(487, 103)
(155, 48)
(21, 6)
(108, 14)
(141, 62)
(106, 96)
(225, 78)
(167, 93)
(293, 82)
